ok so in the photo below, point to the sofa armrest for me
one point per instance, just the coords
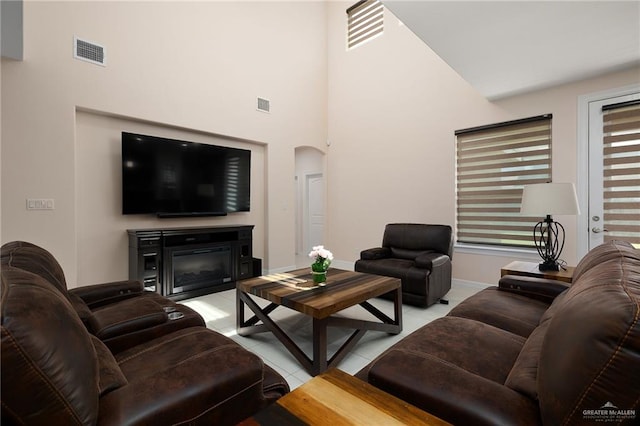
(543, 289)
(126, 317)
(102, 294)
(431, 260)
(375, 253)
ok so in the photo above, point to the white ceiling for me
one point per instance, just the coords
(508, 47)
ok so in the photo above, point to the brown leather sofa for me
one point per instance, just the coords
(419, 254)
(56, 371)
(530, 351)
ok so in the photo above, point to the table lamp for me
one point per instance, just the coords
(548, 236)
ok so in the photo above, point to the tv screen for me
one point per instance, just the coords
(171, 177)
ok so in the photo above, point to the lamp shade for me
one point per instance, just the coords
(549, 199)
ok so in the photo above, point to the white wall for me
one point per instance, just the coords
(389, 109)
(393, 109)
(193, 67)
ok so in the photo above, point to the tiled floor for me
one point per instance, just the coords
(219, 309)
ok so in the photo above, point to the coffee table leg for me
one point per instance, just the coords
(319, 346)
(397, 309)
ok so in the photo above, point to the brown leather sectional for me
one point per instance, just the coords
(111, 354)
(530, 351)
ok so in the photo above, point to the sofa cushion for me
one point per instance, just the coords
(455, 340)
(393, 267)
(80, 307)
(413, 279)
(46, 353)
(523, 377)
(110, 375)
(507, 311)
(195, 373)
(599, 254)
(452, 393)
(463, 386)
(418, 237)
(403, 253)
(30, 257)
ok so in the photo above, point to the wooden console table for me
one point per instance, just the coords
(530, 269)
(336, 398)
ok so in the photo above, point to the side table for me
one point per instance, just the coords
(337, 398)
(530, 269)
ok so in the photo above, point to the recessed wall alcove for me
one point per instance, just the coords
(101, 228)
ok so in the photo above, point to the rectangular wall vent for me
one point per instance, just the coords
(263, 105)
(89, 51)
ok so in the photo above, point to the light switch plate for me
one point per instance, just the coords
(40, 204)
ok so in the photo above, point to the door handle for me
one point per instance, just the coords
(597, 230)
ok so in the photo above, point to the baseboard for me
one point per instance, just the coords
(469, 284)
(280, 270)
(343, 264)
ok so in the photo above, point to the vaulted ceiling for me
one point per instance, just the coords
(504, 48)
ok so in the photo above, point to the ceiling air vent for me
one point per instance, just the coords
(88, 51)
(263, 105)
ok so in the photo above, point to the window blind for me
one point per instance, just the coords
(365, 21)
(621, 171)
(493, 164)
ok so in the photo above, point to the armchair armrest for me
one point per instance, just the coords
(375, 253)
(102, 294)
(431, 260)
(543, 289)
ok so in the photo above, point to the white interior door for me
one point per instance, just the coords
(315, 210)
(596, 227)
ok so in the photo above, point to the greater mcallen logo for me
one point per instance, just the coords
(608, 413)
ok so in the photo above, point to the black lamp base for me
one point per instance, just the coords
(548, 267)
(548, 237)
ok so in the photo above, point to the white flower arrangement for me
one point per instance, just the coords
(322, 258)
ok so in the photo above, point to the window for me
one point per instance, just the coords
(494, 163)
(621, 171)
(365, 22)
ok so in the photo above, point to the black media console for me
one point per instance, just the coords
(186, 262)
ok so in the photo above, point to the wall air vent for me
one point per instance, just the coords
(89, 51)
(264, 105)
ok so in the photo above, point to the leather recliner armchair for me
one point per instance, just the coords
(419, 254)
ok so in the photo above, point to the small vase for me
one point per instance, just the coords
(319, 277)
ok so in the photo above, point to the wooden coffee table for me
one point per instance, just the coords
(336, 398)
(343, 290)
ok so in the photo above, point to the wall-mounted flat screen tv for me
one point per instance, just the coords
(172, 178)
